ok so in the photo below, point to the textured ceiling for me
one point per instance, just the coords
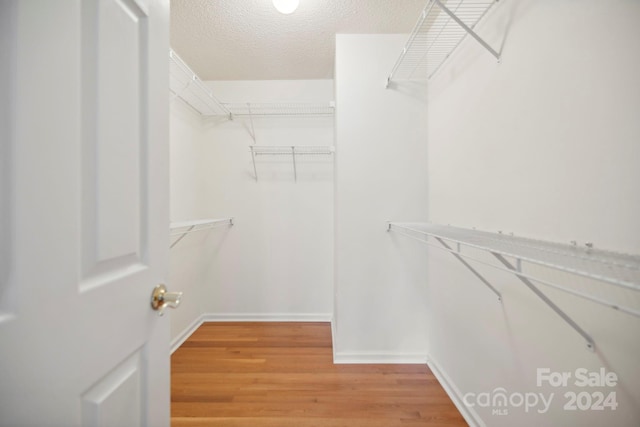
(251, 40)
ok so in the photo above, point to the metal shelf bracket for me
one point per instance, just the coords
(181, 229)
(469, 31)
(516, 271)
(456, 254)
(473, 270)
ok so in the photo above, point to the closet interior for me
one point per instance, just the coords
(500, 137)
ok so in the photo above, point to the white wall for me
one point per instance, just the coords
(188, 258)
(277, 260)
(544, 144)
(381, 175)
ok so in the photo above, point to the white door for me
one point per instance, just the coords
(83, 212)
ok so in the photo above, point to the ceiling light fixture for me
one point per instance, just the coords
(286, 6)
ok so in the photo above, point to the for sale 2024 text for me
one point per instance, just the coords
(582, 377)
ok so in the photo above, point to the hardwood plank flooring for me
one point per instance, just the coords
(264, 374)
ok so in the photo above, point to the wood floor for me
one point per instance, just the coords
(282, 375)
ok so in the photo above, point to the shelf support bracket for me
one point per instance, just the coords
(467, 29)
(293, 156)
(181, 236)
(253, 158)
(590, 344)
(252, 133)
(178, 93)
(466, 264)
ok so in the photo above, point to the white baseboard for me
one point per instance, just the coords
(364, 357)
(334, 336)
(267, 317)
(378, 357)
(469, 414)
(180, 339)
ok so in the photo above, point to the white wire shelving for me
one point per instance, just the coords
(182, 228)
(281, 109)
(513, 253)
(441, 27)
(185, 84)
(289, 150)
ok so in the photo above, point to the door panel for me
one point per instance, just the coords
(116, 400)
(121, 60)
(115, 111)
(6, 119)
(88, 157)
(5, 220)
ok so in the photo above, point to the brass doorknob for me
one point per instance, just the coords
(161, 299)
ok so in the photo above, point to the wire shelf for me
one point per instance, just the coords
(185, 84)
(597, 265)
(289, 150)
(183, 228)
(621, 270)
(441, 27)
(281, 109)
(610, 267)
